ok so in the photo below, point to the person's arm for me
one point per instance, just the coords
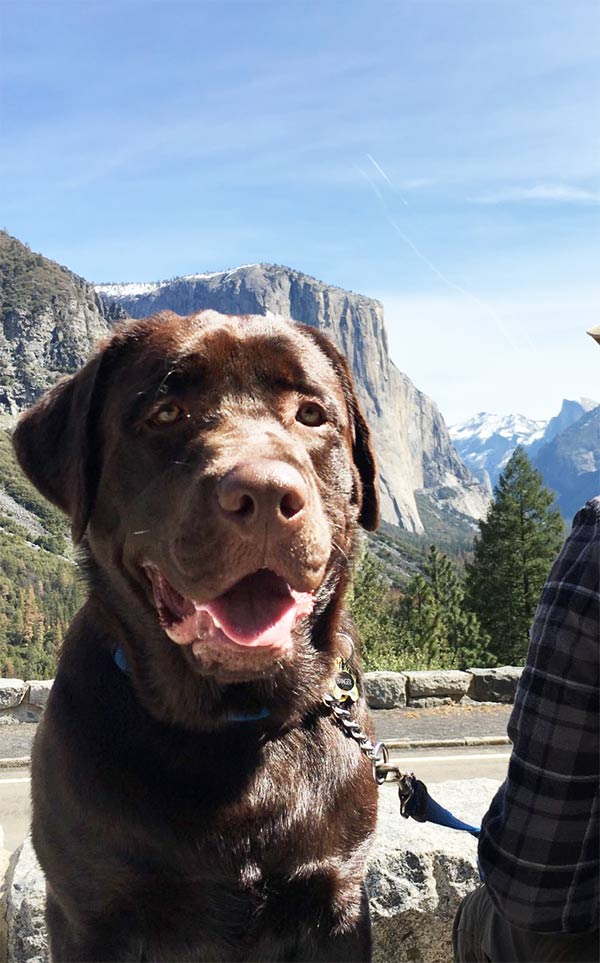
(539, 848)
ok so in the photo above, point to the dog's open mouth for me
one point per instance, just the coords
(259, 611)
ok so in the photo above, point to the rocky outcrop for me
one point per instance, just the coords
(412, 442)
(418, 874)
(50, 321)
(25, 900)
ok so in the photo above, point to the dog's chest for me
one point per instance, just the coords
(285, 856)
(291, 810)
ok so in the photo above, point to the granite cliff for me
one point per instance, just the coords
(51, 319)
(421, 473)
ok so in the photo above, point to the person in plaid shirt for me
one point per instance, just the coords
(539, 849)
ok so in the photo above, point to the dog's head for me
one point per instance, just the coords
(216, 469)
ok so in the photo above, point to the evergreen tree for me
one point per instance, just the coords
(515, 548)
(435, 618)
(372, 614)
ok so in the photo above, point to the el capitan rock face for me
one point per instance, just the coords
(413, 446)
(51, 320)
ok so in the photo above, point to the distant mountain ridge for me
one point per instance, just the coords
(570, 462)
(569, 414)
(565, 449)
(486, 442)
(421, 472)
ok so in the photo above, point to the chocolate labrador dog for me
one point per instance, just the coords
(193, 797)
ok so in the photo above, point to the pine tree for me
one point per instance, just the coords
(442, 630)
(513, 553)
(372, 614)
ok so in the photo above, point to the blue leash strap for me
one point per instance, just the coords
(416, 802)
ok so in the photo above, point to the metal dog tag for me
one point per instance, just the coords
(344, 688)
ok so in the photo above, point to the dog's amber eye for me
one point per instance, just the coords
(311, 414)
(166, 415)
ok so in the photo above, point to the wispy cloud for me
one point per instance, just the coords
(418, 183)
(559, 193)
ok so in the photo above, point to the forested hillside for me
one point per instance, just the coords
(39, 585)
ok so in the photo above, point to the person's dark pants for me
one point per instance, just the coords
(482, 935)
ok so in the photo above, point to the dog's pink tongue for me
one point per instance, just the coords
(260, 610)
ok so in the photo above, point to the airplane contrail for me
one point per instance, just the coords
(446, 280)
(385, 177)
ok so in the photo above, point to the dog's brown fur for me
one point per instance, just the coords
(167, 831)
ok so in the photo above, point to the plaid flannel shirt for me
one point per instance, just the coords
(539, 848)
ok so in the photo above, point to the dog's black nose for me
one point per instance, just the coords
(263, 494)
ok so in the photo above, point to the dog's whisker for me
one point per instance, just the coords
(163, 387)
(340, 550)
(143, 531)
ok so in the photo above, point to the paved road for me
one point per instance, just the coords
(444, 722)
(14, 806)
(432, 766)
(440, 765)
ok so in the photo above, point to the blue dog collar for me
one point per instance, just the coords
(120, 660)
(249, 716)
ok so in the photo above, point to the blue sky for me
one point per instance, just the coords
(442, 156)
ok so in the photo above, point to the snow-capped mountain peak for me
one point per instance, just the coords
(483, 426)
(486, 441)
(132, 289)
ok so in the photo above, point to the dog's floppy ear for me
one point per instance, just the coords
(362, 451)
(55, 443)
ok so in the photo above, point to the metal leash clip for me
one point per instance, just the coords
(406, 791)
(379, 756)
(387, 773)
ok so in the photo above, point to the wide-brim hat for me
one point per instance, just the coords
(595, 333)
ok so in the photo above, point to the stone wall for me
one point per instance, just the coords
(24, 701)
(390, 690)
(417, 875)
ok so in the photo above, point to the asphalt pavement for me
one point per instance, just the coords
(470, 723)
(430, 765)
(442, 726)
